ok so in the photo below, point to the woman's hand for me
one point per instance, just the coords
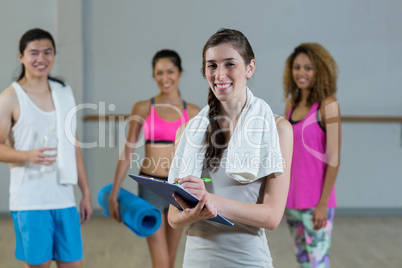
(320, 217)
(194, 185)
(203, 210)
(114, 208)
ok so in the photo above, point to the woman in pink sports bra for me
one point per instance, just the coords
(160, 117)
(310, 84)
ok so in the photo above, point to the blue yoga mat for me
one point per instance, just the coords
(137, 214)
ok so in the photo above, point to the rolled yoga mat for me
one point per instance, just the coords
(138, 215)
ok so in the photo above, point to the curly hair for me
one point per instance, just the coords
(325, 74)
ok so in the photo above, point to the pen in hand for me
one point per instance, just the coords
(204, 179)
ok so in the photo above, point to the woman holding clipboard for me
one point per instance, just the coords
(245, 150)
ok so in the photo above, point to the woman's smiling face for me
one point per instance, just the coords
(226, 72)
(303, 71)
(166, 75)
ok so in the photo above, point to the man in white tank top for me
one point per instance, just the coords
(42, 204)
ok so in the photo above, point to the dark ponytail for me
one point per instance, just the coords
(215, 139)
(33, 35)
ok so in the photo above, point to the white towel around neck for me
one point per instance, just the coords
(253, 151)
(64, 103)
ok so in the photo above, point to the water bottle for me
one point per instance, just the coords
(50, 141)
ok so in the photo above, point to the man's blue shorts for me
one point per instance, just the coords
(43, 235)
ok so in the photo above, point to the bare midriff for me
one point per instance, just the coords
(157, 159)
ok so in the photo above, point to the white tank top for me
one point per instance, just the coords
(31, 189)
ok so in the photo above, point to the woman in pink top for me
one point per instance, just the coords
(309, 85)
(159, 118)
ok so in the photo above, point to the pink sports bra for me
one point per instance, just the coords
(158, 130)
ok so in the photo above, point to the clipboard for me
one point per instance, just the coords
(165, 190)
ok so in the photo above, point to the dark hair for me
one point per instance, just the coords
(170, 54)
(325, 74)
(214, 137)
(33, 35)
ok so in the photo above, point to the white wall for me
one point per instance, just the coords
(371, 171)
(364, 36)
(115, 40)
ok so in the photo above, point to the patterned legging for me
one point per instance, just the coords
(311, 246)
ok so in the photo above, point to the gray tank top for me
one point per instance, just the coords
(211, 244)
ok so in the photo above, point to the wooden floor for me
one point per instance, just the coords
(358, 242)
